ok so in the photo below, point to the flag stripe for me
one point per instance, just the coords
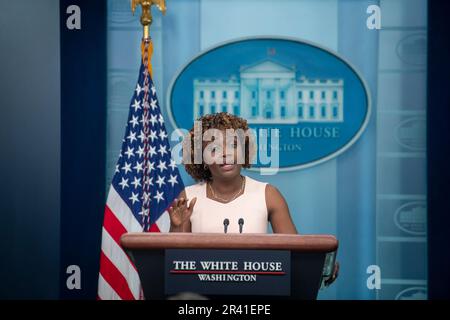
(115, 230)
(154, 228)
(164, 222)
(115, 279)
(113, 225)
(121, 261)
(105, 291)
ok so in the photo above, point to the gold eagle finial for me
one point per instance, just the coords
(146, 17)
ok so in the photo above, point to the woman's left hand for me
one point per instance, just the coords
(334, 275)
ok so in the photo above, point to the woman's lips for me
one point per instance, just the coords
(227, 167)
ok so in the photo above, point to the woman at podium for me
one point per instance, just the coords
(224, 200)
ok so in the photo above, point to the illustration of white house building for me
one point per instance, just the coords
(269, 92)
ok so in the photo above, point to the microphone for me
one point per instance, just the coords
(241, 224)
(226, 222)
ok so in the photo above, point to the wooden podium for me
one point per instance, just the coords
(275, 266)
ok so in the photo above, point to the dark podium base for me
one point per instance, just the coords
(306, 260)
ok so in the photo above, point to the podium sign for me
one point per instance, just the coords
(228, 272)
(217, 266)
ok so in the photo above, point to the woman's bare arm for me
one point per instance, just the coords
(278, 211)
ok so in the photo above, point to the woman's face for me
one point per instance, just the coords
(222, 158)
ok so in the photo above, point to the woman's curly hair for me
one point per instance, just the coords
(220, 121)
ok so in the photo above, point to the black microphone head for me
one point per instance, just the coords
(241, 221)
(226, 222)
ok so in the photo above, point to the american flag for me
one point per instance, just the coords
(145, 182)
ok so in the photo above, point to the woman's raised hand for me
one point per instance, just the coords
(180, 213)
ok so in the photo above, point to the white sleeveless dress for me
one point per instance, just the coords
(208, 214)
